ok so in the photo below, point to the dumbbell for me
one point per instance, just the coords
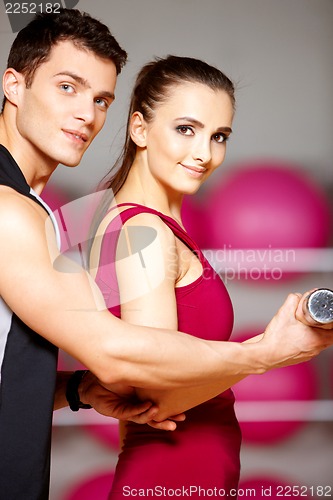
(318, 307)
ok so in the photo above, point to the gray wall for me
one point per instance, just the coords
(278, 52)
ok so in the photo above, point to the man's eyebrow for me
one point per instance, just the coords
(85, 83)
(199, 124)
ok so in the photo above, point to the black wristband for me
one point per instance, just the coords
(72, 394)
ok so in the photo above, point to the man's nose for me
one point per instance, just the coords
(85, 110)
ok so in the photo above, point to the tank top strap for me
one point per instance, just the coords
(135, 209)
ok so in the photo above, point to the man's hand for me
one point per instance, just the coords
(120, 401)
(290, 339)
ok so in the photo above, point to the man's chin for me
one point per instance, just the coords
(71, 163)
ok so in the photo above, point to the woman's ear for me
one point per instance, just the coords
(138, 129)
(11, 83)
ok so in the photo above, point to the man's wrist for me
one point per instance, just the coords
(72, 391)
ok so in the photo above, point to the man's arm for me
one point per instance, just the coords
(61, 306)
(156, 307)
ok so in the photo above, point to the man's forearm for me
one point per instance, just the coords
(162, 359)
(168, 360)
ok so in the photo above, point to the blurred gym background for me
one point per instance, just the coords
(266, 215)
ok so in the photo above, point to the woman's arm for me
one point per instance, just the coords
(119, 403)
(147, 292)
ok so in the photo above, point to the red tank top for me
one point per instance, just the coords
(204, 450)
(204, 307)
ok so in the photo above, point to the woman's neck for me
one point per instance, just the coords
(146, 190)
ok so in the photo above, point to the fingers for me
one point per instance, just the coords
(148, 418)
(169, 424)
(289, 306)
(141, 414)
(286, 314)
(292, 301)
(166, 425)
(178, 418)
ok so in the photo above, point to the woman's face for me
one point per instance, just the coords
(186, 140)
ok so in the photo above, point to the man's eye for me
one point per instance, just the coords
(69, 89)
(102, 103)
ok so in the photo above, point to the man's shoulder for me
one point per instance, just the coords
(15, 206)
(10, 198)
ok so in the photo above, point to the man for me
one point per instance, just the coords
(59, 83)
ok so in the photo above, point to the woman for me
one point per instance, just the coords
(179, 122)
(152, 273)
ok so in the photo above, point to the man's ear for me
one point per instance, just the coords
(138, 129)
(11, 81)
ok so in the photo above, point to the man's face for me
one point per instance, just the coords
(66, 105)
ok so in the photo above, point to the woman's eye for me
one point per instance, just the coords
(219, 138)
(185, 130)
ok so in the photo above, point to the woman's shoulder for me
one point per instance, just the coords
(151, 222)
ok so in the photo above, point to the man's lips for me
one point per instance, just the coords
(75, 135)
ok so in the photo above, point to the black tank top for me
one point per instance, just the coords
(27, 382)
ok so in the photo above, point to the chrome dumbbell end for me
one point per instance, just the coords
(319, 305)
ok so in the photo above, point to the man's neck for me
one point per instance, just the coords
(36, 169)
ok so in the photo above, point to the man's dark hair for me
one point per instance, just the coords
(33, 44)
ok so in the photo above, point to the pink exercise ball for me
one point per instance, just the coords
(267, 205)
(96, 487)
(289, 384)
